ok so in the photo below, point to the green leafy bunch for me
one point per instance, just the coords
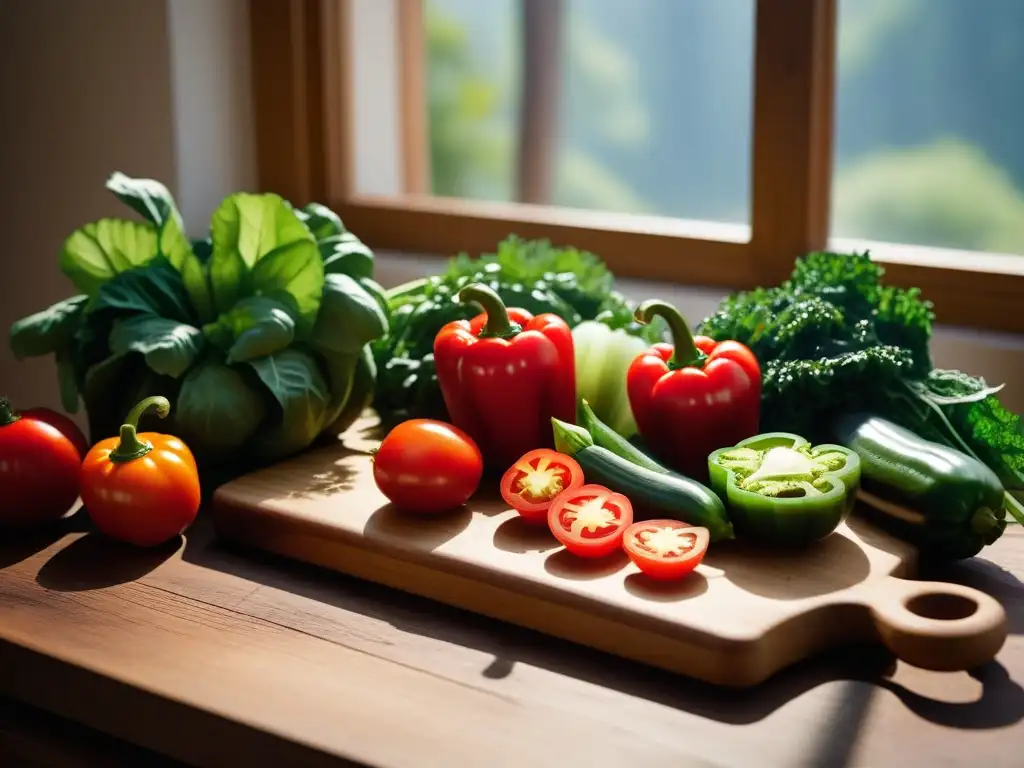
(533, 275)
(258, 333)
(833, 338)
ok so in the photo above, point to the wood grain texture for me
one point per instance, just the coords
(201, 652)
(741, 617)
(338, 131)
(654, 247)
(288, 98)
(794, 83)
(412, 106)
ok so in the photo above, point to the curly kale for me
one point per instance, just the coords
(796, 393)
(833, 338)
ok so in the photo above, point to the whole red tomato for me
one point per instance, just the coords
(67, 426)
(40, 469)
(427, 466)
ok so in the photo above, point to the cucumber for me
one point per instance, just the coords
(662, 494)
(654, 494)
(948, 504)
(606, 437)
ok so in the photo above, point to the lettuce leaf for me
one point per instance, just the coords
(103, 249)
(169, 347)
(261, 245)
(49, 331)
(294, 379)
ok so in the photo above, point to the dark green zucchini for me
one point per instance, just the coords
(651, 493)
(948, 504)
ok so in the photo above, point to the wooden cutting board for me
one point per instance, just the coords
(744, 614)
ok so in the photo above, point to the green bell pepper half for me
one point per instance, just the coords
(780, 490)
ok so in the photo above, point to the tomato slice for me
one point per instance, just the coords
(665, 549)
(532, 483)
(590, 520)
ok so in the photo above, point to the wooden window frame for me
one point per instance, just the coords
(302, 79)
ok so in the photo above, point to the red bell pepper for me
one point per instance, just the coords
(504, 375)
(694, 396)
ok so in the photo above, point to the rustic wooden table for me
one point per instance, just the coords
(210, 655)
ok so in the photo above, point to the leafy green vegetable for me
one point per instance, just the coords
(217, 411)
(321, 221)
(340, 369)
(832, 338)
(100, 250)
(254, 225)
(963, 412)
(346, 254)
(245, 229)
(358, 399)
(111, 385)
(349, 317)
(170, 347)
(295, 269)
(66, 381)
(223, 326)
(49, 331)
(156, 289)
(154, 202)
(255, 326)
(295, 381)
(197, 284)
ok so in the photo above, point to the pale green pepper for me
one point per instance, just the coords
(603, 357)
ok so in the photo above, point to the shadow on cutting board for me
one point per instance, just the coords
(830, 565)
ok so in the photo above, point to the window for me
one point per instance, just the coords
(929, 123)
(641, 107)
(695, 141)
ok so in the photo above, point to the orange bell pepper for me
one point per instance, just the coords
(143, 488)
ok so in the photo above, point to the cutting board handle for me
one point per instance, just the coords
(935, 625)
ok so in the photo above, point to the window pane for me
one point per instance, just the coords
(930, 121)
(652, 114)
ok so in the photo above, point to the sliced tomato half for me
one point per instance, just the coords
(665, 549)
(590, 520)
(532, 483)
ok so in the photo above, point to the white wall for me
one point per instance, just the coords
(214, 141)
(85, 88)
(155, 88)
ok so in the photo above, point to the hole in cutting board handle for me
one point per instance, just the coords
(937, 625)
(942, 606)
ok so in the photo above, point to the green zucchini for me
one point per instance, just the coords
(606, 437)
(948, 504)
(651, 492)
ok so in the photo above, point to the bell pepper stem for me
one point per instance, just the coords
(130, 447)
(685, 352)
(498, 325)
(7, 413)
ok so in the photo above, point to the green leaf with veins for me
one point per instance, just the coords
(103, 249)
(293, 377)
(49, 331)
(169, 347)
(217, 410)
